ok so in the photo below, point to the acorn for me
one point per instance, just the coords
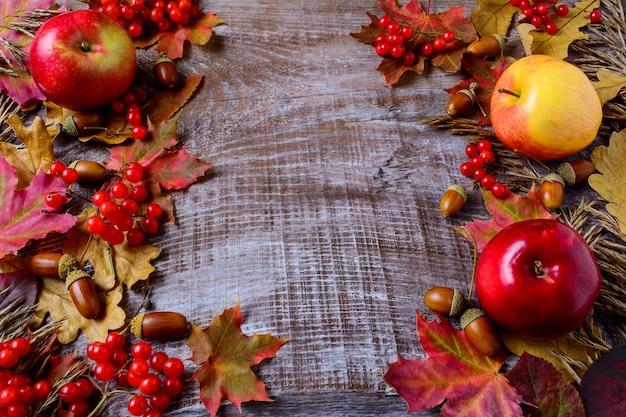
(452, 200)
(552, 191)
(160, 325)
(82, 123)
(481, 331)
(462, 101)
(444, 300)
(165, 72)
(486, 47)
(83, 293)
(89, 171)
(576, 172)
(44, 264)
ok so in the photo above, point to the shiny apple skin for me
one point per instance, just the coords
(557, 113)
(531, 306)
(79, 79)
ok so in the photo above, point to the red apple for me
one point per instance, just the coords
(538, 279)
(545, 108)
(82, 60)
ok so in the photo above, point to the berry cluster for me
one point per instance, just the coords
(18, 393)
(118, 205)
(155, 375)
(540, 13)
(481, 156)
(129, 106)
(398, 41)
(138, 15)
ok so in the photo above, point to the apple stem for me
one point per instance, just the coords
(85, 47)
(538, 269)
(504, 90)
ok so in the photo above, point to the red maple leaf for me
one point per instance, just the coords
(225, 356)
(505, 211)
(485, 74)
(24, 213)
(426, 28)
(455, 372)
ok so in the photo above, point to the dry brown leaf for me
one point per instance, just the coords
(112, 265)
(609, 85)
(610, 181)
(564, 353)
(38, 153)
(55, 299)
(557, 45)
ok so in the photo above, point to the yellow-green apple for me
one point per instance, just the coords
(545, 108)
(538, 279)
(82, 60)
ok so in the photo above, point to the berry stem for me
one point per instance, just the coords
(504, 90)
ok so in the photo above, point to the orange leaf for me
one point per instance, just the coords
(166, 103)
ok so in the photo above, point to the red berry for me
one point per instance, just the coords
(384, 21)
(99, 197)
(98, 352)
(428, 49)
(551, 28)
(134, 172)
(383, 48)
(119, 190)
(56, 167)
(407, 32)
(95, 225)
(173, 367)
(118, 106)
(595, 15)
(487, 181)
(542, 8)
(484, 145)
(409, 58)
(150, 384)
(43, 388)
(139, 132)
(69, 175)
(134, 29)
(528, 12)
(109, 209)
(104, 371)
(20, 345)
(54, 200)
(139, 193)
(86, 387)
(172, 385)
(562, 10)
(397, 51)
(499, 190)
(8, 358)
(137, 405)
(471, 150)
(159, 400)
(129, 206)
(393, 27)
(448, 36)
(142, 350)
(395, 39)
(439, 44)
(150, 224)
(467, 169)
(79, 408)
(479, 173)
(487, 157)
(157, 359)
(70, 392)
(135, 236)
(536, 20)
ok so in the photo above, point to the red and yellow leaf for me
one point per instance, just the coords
(225, 356)
(504, 211)
(456, 373)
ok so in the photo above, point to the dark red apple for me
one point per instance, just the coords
(82, 60)
(538, 279)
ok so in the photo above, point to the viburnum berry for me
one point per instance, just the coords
(150, 224)
(397, 51)
(448, 36)
(157, 359)
(99, 197)
(394, 27)
(139, 132)
(172, 385)
(133, 172)
(142, 350)
(409, 58)
(159, 400)
(407, 32)
(8, 358)
(471, 150)
(129, 206)
(69, 175)
(98, 352)
(118, 106)
(595, 16)
(119, 190)
(383, 48)
(54, 200)
(384, 20)
(484, 145)
(551, 28)
(139, 192)
(42, 388)
(562, 10)
(56, 167)
(79, 408)
(95, 225)
(395, 39)
(499, 190)
(428, 49)
(467, 169)
(150, 384)
(137, 405)
(135, 236)
(104, 371)
(20, 345)
(439, 44)
(70, 392)
(173, 367)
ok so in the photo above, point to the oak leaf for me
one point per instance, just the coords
(539, 42)
(224, 355)
(23, 213)
(485, 74)
(609, 85)
(124, 263)
(557, 351)
(38, 152)
(426, 27)
(610, 181)
(164, 164)
(493, 17)
(455, 372)
(542, 385)
(172, 42)
(505, 211)
(603, 386)
(54, 298)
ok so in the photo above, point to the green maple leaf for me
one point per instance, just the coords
(456, 373)
(225, 356)
(426, 27)
(505, 211)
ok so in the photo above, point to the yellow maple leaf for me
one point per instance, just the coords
(610, 181)
(54, 298)
(123, 263)
(493, 17)
(609, 85)
(38, 153)
(539, 42)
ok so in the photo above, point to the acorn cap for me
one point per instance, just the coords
(69, 126)
(459, 189)
(136, 324)
(74, 276)
(458, 303)
(567, 172)
(554, 177)
(470, 315)
(67, 264)
(162, 58)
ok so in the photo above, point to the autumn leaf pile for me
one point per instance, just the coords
(553, 377)
(223, 353)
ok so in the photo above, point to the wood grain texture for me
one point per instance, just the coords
(321, 212)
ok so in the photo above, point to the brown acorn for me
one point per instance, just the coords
(83, 293)
(552, 191)
(160, 325)
(45, 264)
(461, 102)
(452, 200)
(481, 331)
(166, 72)
(83, 123)
(89, 171)
(576, 172)
(486, 47)
(444, 300)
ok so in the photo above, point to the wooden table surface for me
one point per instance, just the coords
(321, 214)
